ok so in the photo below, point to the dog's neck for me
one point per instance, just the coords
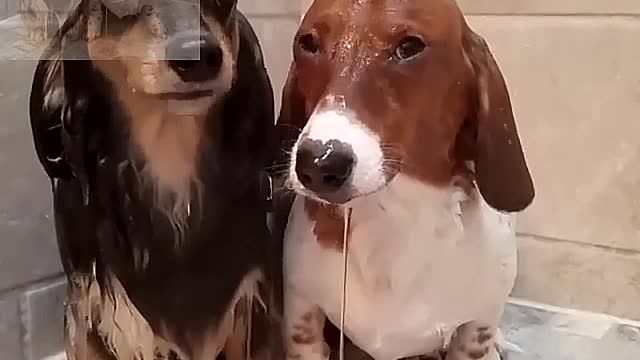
(169, 144)
(405, 223)
(170, 147)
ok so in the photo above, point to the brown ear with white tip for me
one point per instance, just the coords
(502, 174)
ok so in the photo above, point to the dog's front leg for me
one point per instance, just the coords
(473, 341)
(304, 326)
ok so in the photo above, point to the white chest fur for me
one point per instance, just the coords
(421, 261)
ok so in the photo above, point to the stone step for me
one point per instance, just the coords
(580, 276)
(543, 332)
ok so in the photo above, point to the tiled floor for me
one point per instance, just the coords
(547, 333)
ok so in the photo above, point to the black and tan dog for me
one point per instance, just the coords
(157, 165)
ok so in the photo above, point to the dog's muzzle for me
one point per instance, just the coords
(324, 167)
(194, 58)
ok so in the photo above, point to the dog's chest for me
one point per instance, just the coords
(418, 266)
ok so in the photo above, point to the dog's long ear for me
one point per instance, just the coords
(501, 170)
(57, 116)
(46, 103)
(292, 118)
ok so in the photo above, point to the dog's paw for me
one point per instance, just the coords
(473, 341)
(438, 355)
(309, 353)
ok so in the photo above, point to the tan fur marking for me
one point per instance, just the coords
(328, 223)
(237, 346)
(232, 43)
(232, 332)
(123, 329)
(169, 142)
(167, 138)
(170, 145)
(128, 335)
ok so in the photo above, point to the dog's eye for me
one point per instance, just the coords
(409, 47)
(309, 43)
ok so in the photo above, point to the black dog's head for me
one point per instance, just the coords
(182, 52)
(156, 71)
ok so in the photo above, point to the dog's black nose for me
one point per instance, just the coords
(194, 58)
(324, 166)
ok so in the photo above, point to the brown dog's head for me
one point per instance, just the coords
(380, 87)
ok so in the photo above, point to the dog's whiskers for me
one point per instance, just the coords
(277, 167)
(290, 126)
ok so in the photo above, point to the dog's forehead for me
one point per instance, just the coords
(174, 16)
(439, 18)
(123, 8)
(169, 11)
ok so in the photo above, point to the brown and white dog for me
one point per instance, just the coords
(404, 116)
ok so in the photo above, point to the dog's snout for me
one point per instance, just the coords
(324, 166)
(195, 58)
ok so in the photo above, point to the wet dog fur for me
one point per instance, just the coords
(158, 184)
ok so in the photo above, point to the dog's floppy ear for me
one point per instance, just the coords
(502, 174)
(46, 105)
(57, 115)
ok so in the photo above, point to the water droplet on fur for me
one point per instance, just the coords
(340, 102)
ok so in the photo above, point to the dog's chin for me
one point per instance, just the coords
(195, 106)
(346, 196)
(187, 99)
(337, 198)
(194, 103)
(185, 95)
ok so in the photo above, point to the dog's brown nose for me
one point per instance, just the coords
(323, 167)
(194, 58)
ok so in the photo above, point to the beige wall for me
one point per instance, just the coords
(573, 70)
(275, 22)
(574, 75)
